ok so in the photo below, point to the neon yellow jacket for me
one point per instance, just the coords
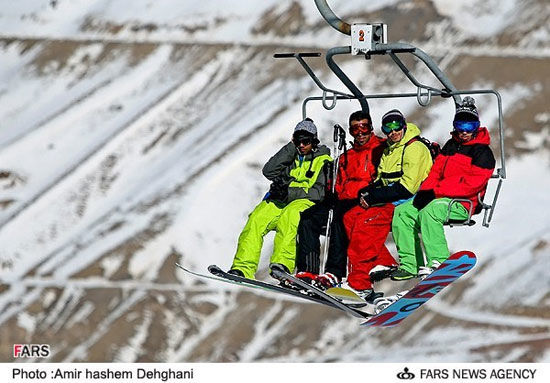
(401, 171)
(417, 162)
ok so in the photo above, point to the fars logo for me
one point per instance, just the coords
(31, 350)
(405, 374)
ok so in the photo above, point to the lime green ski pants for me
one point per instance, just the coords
(408, 223)
(268, 216)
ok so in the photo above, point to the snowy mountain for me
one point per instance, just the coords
(132, 138)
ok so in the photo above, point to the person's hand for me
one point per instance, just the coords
(278, 192)
(423, 198)
(364, 191)
(363, 203)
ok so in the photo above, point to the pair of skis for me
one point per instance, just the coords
(315, 296)
(449, 271)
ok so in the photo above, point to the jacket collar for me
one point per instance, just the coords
(321, 150)
(373, 142)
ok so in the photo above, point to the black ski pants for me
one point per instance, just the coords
(308, 246)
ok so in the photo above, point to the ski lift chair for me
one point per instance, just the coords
(460, 222)
(486, 208)
(369, 40)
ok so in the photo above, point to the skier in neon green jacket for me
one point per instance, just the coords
(299, 175)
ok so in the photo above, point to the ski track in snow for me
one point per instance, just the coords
(265, 332)
(48, 181)
(80, 352)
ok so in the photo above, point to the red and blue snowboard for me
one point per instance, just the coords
(453, 268)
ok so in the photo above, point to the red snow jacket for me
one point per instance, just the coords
(357, 167)
(463, 169)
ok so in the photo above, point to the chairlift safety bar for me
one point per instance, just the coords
(501, 172)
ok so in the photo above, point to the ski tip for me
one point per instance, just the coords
(465, 256)
(214, 269)
(462, 253)
(180, 266)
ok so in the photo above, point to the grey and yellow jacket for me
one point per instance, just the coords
(301, 177)
(401, 171)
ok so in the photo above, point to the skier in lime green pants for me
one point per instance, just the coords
(299, 177)
(268, 216)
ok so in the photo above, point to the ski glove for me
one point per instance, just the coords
(278, 192)
(422, 198)
(369, 187)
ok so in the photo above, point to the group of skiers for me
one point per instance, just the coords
(382, 184)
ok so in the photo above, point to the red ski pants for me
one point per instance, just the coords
(367, 230)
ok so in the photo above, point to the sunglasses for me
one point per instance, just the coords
(303, 141)
(356, 129)
(466, 126)
(393, 126)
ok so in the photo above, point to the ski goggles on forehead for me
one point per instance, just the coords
(466, 126)
(393, 126)
(360, 128)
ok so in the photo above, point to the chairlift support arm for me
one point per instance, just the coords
(331, 18)
(356, 93)
(335, 93)
(345, 28)
(343, 77)
(392, 49)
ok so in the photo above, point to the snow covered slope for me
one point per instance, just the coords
(133, 138)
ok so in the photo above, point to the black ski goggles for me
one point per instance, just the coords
(302, 141)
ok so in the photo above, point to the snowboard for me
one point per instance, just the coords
(344, 294)
(348, 296)
(449, 271)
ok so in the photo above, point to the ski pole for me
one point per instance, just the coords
(339, 138)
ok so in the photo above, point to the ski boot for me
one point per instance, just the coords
(283, 282)
(424, 271)
(402, 275)
(236, 272)
(307, 277)
(369, 295)
(327, 280)
(380, 304)
(380, 272)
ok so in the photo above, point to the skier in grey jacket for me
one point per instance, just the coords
(299, 177)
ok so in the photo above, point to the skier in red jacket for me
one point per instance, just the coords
(357, 168)
(462, 170)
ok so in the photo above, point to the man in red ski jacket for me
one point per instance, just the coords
(357, 168)
(462, 170)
